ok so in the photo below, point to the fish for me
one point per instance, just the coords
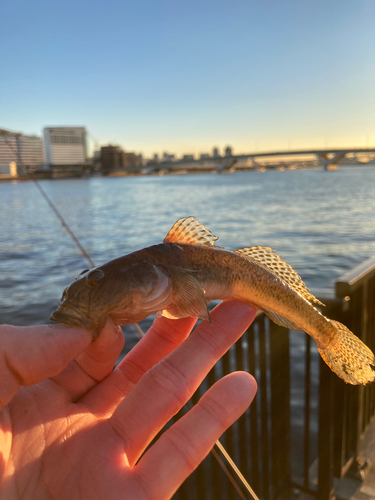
(177, 279)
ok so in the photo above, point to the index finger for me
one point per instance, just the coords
(161, 339)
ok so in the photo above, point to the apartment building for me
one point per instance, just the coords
(65, 146)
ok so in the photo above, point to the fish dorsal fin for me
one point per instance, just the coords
(264, 257)
(190, 232)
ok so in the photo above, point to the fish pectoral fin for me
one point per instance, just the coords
(172, 312)
(281, 321)
(264, 256)
(187, 295)
(190, 232)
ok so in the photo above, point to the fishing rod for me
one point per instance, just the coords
(136, 326)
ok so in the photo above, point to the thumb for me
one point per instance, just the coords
(33, 353)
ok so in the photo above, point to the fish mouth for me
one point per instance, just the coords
(70, 316)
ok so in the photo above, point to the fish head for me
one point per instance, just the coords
(126, 294)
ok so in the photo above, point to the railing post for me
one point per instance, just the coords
(325, 445)
(356, 325)
(264, 403)
(280, 408)
(254, 439)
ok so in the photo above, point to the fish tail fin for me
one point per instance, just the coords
(349, 357)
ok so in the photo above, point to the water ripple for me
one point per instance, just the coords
(323, 223)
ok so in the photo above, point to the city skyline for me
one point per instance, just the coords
(184, 78)
(210, 150)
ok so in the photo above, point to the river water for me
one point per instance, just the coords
(322, 223)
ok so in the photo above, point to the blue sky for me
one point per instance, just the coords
(184, 76)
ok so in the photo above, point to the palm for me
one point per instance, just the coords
(72, 449)
(81, 433)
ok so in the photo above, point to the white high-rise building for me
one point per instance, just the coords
(8, 148)
(31, 150)
(65, 145)
(16, 148)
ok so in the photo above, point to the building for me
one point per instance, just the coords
(109, 158)
(228, 151)
(154, 160)
(168, 157)
(131, 160)
(188, 158)
(31, 151)
(20, 150)
(9, 169)
(65, 146)
(215, 153)
(113, 158)
(8, 148)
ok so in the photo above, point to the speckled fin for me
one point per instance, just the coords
(190, 232)
(348, 356)
(265, 258)
(280, 320)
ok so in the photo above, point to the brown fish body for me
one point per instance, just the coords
(179, 277)
(225, 275)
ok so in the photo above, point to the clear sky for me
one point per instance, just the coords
(184, 76)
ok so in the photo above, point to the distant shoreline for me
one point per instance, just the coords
(59, 175)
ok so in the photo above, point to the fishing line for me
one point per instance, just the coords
(235, 468)
(66, 226)
(137, 328)
(230, 461)
(50, 202)
(227, 472)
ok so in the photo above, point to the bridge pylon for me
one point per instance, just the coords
(330, 163)
(226, 164)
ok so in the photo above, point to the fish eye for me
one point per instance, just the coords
(94, 278)
(83, 272)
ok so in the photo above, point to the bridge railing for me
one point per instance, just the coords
(303, 428)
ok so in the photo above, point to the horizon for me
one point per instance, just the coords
(183, 79)
(210, 153)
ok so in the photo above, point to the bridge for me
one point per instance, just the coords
(329, 159)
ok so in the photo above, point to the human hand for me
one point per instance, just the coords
(75, 429)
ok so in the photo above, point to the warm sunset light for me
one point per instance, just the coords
(140, 355)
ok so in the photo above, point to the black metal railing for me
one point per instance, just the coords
(346, 411)
(304, 426)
